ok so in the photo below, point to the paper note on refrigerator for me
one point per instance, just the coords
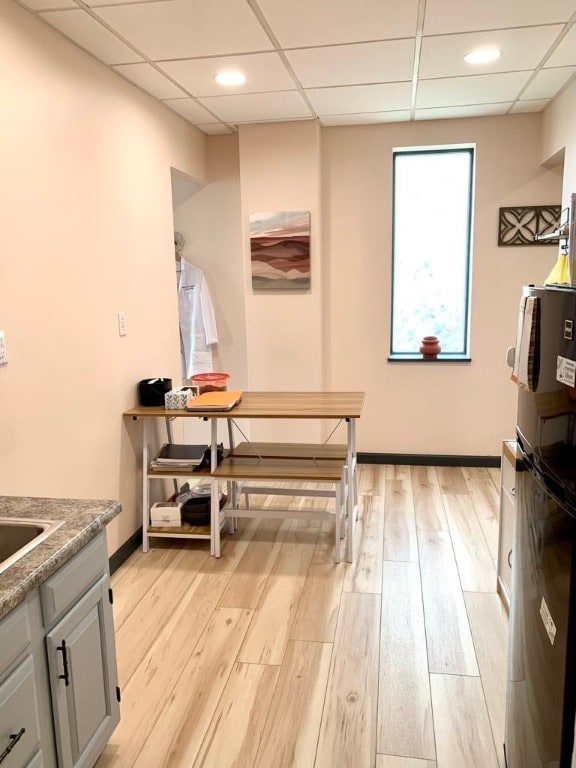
(566, 371)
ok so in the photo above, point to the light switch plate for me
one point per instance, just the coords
(122, 323)
(3, 350)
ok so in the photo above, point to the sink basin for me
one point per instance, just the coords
(19, 535)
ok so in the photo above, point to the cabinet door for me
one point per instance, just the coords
(19, 729)
(83, 678)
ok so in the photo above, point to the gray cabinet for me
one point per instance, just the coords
(82, 665)
(507, 519)
(58, 679)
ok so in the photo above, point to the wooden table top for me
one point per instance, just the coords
(274, 405)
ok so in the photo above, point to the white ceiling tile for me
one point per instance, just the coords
(365, 118)
(250, 107)
(534, 105)
(475, 110)
(184, 28)
(46, 5)
(565, 54)
(388, 61)
(91, 35)
(323, 22)
(443, 56)
(264, 72)
(476, 89)
(189, 109)
(548, 82)
(444, 16)
(150, 80)
(360, 98)
(214, 129)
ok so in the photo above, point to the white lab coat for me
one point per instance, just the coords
(197, 322)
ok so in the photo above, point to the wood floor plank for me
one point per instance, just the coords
(404, 705)
(138, 580)
(495, 477)
(489, 624)
(399, 522)
(155, 679)
(371, 479)
(349, 720)
(270, 630)
(486, 500)
(463, 734)
(317, 611)
(178, 732)
(235, 731)
(391, 761)
(451, 480)
(148, 616)
(252, 572)
(428, 506)
(291, 733)
(449, 641)
(397, 471)
(365, 573)
(475, 563)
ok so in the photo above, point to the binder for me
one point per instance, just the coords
(215, 401)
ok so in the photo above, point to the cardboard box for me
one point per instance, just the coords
(166, 514)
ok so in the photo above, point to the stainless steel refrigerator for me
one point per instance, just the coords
(541, 696)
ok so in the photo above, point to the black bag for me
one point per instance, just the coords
(151, 391)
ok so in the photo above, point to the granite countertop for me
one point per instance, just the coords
(83, 520)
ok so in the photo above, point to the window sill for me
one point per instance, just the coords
(446, 358)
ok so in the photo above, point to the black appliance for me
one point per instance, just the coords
(541, 696)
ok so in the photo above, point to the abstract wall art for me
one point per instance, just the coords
(520, 224)
(280, 251)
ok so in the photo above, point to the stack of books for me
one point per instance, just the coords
(175, 456)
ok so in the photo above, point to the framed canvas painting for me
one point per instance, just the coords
(280, 250)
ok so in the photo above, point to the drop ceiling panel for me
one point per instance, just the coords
(213, 129)
(477, 89)
(565, 54)
(45, 5)
(466, 15)
(360, 98)
(474, 110)
(91, 35)
(443, 56)
(323, 22)
(185, 28)
(264, 72)
(365, 118)
(249, 107)
(150, 80)
(534, 105)
(190, 109)
(548, 82)
(357, 63)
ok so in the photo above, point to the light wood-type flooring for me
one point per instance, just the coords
(274, 656)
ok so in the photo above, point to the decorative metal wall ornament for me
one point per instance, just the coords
(517, 226)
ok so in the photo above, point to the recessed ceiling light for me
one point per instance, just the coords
(483, 55)
(230, 77)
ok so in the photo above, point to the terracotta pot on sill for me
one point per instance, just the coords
(430, 347)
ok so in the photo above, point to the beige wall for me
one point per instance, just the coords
(444, 408)
(280, 171)
(560, 137)
(86, 232)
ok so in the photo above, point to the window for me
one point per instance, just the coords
(432, 212)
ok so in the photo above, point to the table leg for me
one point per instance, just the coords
(214, 493)
(352, 495)
(145, 494)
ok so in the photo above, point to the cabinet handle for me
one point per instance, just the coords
(510, 559)
(512, 491)
(66, 675)
(14, 739)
